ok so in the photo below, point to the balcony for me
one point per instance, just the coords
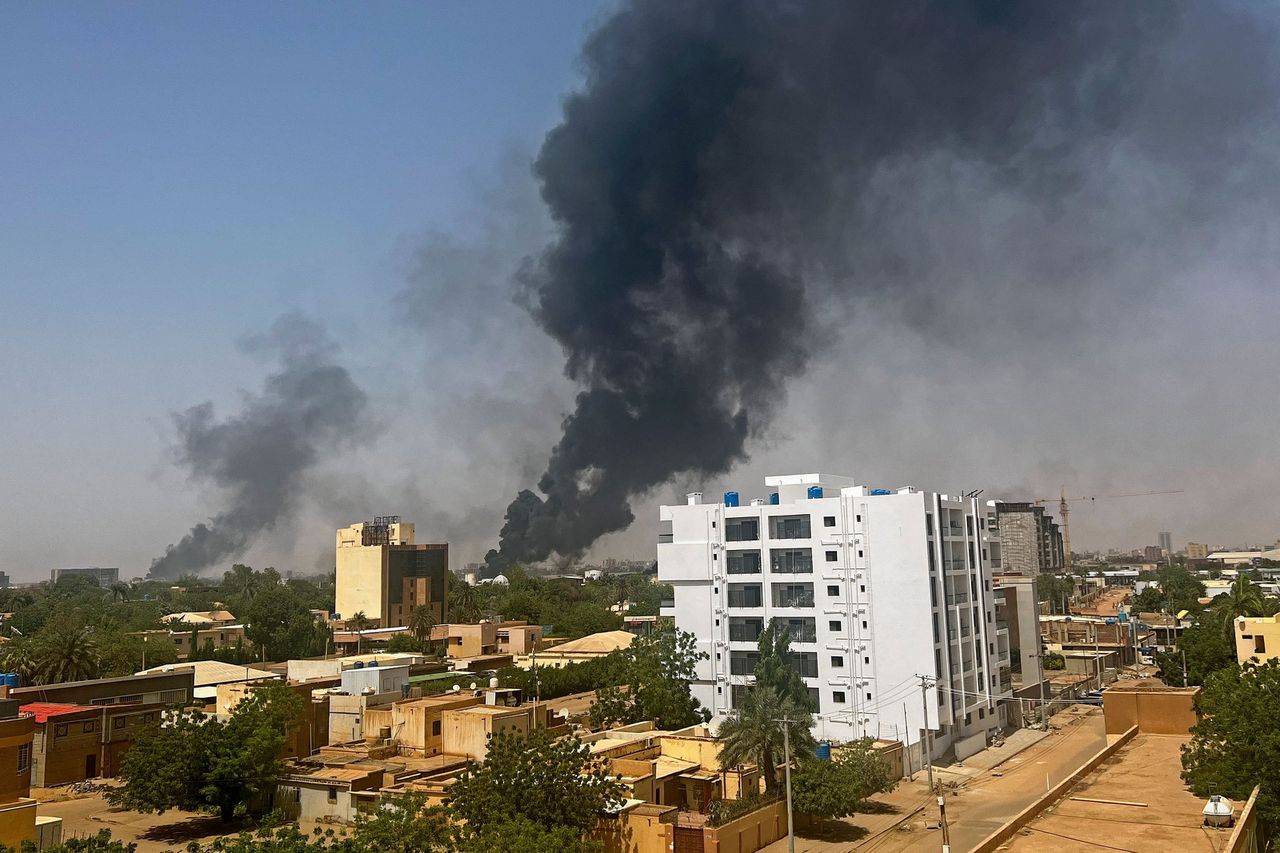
(797, 600)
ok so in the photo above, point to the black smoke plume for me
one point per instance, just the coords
(259, 457)
(722, 175)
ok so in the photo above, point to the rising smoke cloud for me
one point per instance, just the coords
(260, 456)
(733, 169)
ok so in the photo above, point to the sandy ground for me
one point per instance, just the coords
(89, 815)
(979, 800)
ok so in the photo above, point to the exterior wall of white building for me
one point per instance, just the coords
(896, 585)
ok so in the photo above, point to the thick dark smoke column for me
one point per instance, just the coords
(711, 189)
(259, 457)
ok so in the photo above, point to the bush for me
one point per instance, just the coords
(1053, 660)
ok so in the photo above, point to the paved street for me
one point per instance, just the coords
(975, 808)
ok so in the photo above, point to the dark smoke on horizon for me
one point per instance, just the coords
(259, 457)
(723, 172)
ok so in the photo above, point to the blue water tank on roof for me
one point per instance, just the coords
(730, 498)
(815, 492)
(773, 498)
(879, 491)
(359, 664)
(823, 752)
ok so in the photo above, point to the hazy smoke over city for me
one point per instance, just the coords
(737, 181)
(260, 456)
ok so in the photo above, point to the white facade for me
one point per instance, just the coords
(879, 588)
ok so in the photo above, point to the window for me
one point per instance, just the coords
(801, 629)
(981, 714)
(743, 562)
(666, 533)
(1259, 644)
(837, 696)
(862, 587)
(792, 595)
(837, 661)
(859, 552)
(89, 726)
(24, 758)
(745, 595)
(789, 527)
(741, 529)
(833, 625)
(60, 730)
(797, 561)
(868, 697)
(833, 591)
(867, 661)
(745, 629)
(805, 663)
(831, 556)
(117, 723)
(858, 518)
(435, 728)
(828, 521)
(333, 794)
(743, 663)
(864, 624)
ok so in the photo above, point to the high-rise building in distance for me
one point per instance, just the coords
(384, 574)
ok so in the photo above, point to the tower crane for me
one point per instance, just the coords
(1064, 511)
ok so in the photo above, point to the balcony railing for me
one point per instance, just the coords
(800, 600)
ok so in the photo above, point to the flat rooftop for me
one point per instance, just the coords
(1146, 771)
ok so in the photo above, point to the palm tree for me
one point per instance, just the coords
(120, 591)
(16, 656)
(1244, 599)
(464, 604)
(359, 623)
(242, 581)
(753, 734)
(421, 620)
(65, 651)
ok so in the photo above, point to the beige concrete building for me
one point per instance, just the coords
(1257, 639)
(384, 574)
(1197, 551)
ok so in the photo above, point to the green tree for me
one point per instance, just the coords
(120, 591)
(838, 788)
(583, 618)
(1055, 661)
(1207, 646)
(1243, 599)
(753, 734)
(659, 669)
(1150, 600)
(463, 600)
(422, 619)
(551, 782)
(359, 623)
(522, 835)
(65, 651)
(1182, 591)
(404, 643)
(194, 761)
(1235, 743)
(280, 626)
(776, 666)
(242, 582)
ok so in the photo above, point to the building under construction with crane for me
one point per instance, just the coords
(1030, 540)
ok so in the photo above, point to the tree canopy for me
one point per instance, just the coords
(839, 787)
(1235, 743)
(195, 761)
(659, 669)
(553, 783)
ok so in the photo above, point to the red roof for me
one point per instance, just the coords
(45, 710)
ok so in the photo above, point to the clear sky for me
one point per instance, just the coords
(175, 175)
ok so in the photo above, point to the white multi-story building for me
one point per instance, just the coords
(878, 588)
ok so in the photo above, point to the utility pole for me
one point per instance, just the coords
(786, 769)
(925, 739)
(942, 818)
(1184, 667)
(906, 748)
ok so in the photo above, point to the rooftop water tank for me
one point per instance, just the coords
(1219, 811)
(879, 491)
(815, 492)
(359, 664)
(730, 498)
(823, 752)
(773, 499)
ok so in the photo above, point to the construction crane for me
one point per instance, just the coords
(1064, 511)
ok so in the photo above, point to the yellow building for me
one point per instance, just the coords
(1257, 638)
(17, 809)
(384, 574)
(1197, 551)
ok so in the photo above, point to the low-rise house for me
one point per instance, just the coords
(73, 743)
(1257, 638)
(200, 617)
(175, 687)
(208, 674)
(191, 641)
(590, 647)
(17, 808)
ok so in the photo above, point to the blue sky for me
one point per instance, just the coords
(175, 175)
